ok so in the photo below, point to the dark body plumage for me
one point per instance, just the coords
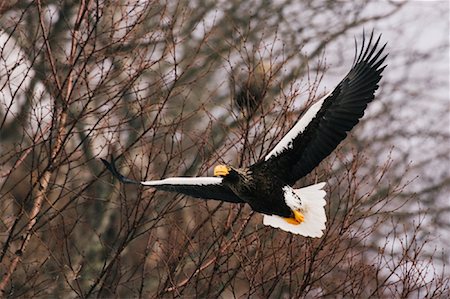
(266, 185)
(261, 190)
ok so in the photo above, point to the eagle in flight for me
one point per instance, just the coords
(267, 185)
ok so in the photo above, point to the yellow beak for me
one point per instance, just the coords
(221, 170)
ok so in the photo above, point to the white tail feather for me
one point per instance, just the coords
(312, 208)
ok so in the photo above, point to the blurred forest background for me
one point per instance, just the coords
(157, 85)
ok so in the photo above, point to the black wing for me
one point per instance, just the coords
(327, 122)
(199, 187)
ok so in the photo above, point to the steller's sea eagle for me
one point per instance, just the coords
(267, 185)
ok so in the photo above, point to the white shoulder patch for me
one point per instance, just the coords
(185, 181)
(286, 141)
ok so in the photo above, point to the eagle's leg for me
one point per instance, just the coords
(298, 218)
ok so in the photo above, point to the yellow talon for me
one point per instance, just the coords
(291, 221)
(299, 218)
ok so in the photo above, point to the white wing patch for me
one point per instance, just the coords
(184, 181)
(286, 141)
(312, 207)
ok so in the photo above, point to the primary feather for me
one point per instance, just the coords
(327, 122)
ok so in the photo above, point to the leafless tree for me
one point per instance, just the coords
(151, 82)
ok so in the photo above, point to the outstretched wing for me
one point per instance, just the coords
(199, 187)
(326, 123)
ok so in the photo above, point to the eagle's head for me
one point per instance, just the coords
(231, 174)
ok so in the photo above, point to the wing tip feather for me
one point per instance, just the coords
(368, 52)
(111, 166)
